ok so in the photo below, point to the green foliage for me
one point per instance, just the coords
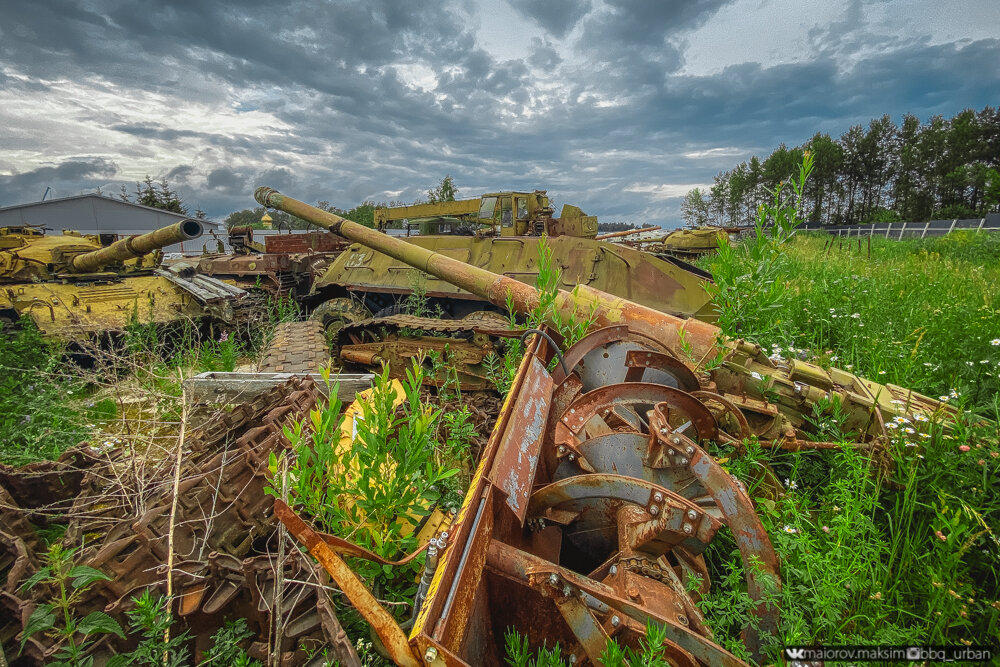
(696, 208)
(416, 302)
(445, 191)
(38, 419)
(501, 368)
(151, 620)
(374, 490)
(920, 313)
(750, 276)
(155, 195)
(68, 583)
(869, 557)
(459, 432)
(443, 370)
(220, 355)
(226, 650)
(883, 172)
(519, 653)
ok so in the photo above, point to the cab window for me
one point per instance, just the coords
(506, 213)
(522, 208)
(487, 208)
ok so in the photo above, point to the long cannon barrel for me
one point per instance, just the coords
(627, 232)
(584, 302)
(137, 246)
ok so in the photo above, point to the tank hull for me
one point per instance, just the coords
(72, 311)
(624, 272)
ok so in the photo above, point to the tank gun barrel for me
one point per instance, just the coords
(137, 246)
(627, 232)
(582, 303)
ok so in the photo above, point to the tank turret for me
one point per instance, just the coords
(27, 254)
(72, 286)
(776, 397)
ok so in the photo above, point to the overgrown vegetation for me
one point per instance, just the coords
(39, 414)
(895, 546)
(375, 480)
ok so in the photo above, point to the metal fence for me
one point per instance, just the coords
(900, 230)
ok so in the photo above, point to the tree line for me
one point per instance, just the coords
(943, 168)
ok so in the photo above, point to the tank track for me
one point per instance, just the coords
(489, 325)
(298, 347)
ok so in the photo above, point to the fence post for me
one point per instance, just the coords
(983, 220)
(952, 226)
(926, 226)
(887, 230)
(872, 232)
(901, 232)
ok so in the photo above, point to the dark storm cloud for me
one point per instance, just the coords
(375, 97)
(92, 172)
(556, 16)
(638, 36)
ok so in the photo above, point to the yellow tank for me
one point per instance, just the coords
(73, 286)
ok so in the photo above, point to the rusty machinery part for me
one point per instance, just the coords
(297, 347)
(334, 314)
(586, 520)
(223, 539)
(398, 340)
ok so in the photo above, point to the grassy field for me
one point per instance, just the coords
(900, 547)
(923, 314)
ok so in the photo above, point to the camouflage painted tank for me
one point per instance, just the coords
(688, 243)
(362, 281)
(73, 286)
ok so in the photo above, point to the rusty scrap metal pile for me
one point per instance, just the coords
(596, 494)
(225, 565)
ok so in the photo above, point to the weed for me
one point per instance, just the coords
(416, 302)
(501, 368)
(38, 419)
(151, 619)
(56, 618)
(749, 277)
(375, 489)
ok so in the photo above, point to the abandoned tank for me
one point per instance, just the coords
(284, 264)
(500, 232)
(73, 286)
(597, 494)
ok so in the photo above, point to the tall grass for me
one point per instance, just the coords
(899, 547)
(923, 314)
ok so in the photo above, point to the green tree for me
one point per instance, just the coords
(695, 208)
(445, 191)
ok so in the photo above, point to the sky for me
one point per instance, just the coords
(617, 106)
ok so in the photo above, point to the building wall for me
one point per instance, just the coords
(95, 214)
